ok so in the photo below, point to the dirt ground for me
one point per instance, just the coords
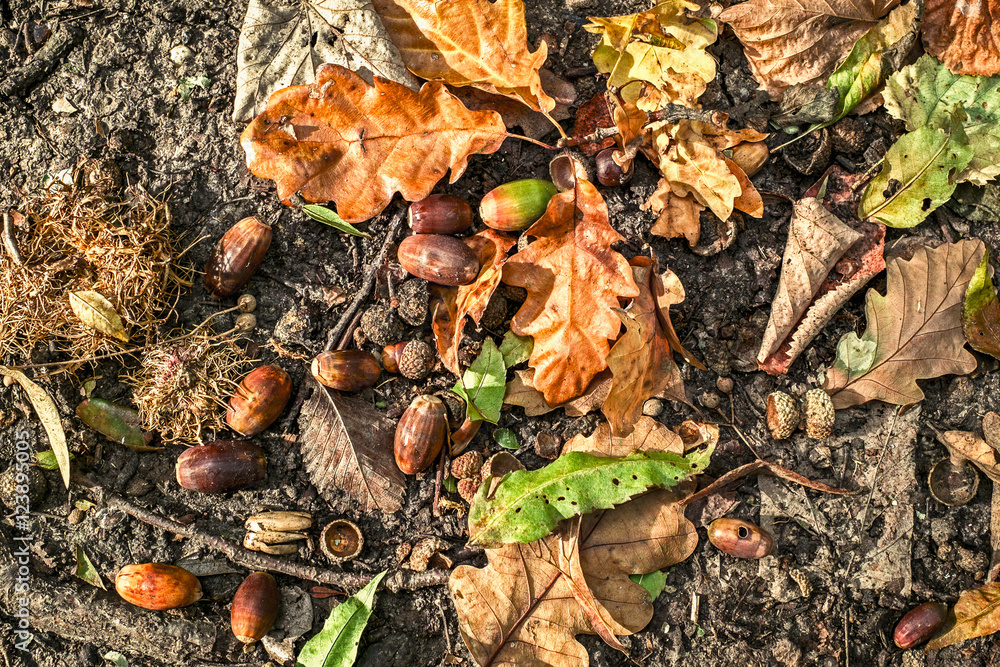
(843, 569)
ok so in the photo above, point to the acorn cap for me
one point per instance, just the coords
(467, 466)
(467, 488)
(782, 414)
(416, 360)
(818, 412)
(341, 540)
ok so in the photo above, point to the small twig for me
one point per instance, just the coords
(438, 481)
(9, 242)
(41, 64)
(533, 141)
(761, 467)
(675, 112)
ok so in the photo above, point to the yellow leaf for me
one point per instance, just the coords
(98, 313)
(48, 415)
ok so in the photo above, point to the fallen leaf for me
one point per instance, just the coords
(506, 438)
(631, 124)
(593, 115)
(963, 34)
(445, 325)
(118, 423)
(116, 658)
(981, 311)
(914, 332)
(469, 43)
(346, 447)
(976, 614)
(340, 139)
(86, 571)
(573, 279)
(491, 247)
(98, 313)
(516, 113)
(520, 608)
(965, 446)
(336, 645)
(515, 349)
(328, 217)
(678, 216)
(649, 435)
(482, 385)
(521, 392)
(48, 414)
(668, 291)
(803, 41)
(281, 46)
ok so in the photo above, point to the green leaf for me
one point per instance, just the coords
(528, 504)
(515, 349)
(116, 658)
(116, 422)
(652, 582)
(483, 385)
(186, 84)
(330, 217)
(85, 570)
(47, 460)
(336, 645)
(506, 438)
(981, 311)
(919, 174)
(450, 484)
(48, 414)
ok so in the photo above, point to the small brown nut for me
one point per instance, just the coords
(467, 488)
(223, 465)
(412, 359)
(609, 172)
(157, 586)
(750, 156)
(283, 520)
(724, 384)
(782, 414)
(247, 303)
(741, 539)
(710, 400)
(919, 624)
(438, 259)
(420, 434)
(346, 370)
(259, 400)
(467, 466)
(817, 408)
(440, 214)
(255, 606)
(237, 257)
(341, 540)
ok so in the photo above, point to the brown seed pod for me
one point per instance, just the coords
(818, 412)
(741, 539)
(919, 624)
(750, 156)
(420, 434)
(259, 400)
(157, 586)
(783, 414)
(467, 466)
(223, 465)
(609, 172)
(346, 370)
(440, 214)
(255, 606)
(413, 359)
(341, 540)
(247, 303)
(438, 259)
(246, 322)
(236, 257)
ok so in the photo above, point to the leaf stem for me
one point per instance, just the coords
(534, 141)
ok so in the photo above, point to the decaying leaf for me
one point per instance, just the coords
(803, 41)
(914, 332)
(516, 113)
(48, 414)
(521, 392)
(282, 46)
(976, 614)
(963, 34)
(94, 310)
(479, 43)
(340, 139)
(678, 216)
(649, 435)
(521, 608)
(574, 280)
(981, 312)
(471, 300)
(668, 291)
(445, 325)
(347, 447)
(86, 571)
(965, 446)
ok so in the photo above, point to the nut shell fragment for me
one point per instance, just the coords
(341, 540)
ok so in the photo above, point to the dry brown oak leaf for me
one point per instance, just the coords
(574, 280)
(964, 35)
(444, 323)
(521, 391)
(469, 43)
(341, 140)
(914, 332)
(800, 41)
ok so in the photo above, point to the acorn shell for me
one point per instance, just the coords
(259, 400)
(439, 259)
(346, 370)
(420, 434)
(741, 539)
(157, 586)
(440, 214)
(783, 414)
(236, 257)
(255, 606)
(341, 540)
(223, 465)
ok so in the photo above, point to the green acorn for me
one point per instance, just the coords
(515, 206)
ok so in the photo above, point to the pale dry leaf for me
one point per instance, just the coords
(94, 310)
(965, 446)
(48, 414)
(668, 291)
(282, 46)
(491, 247)
(347, 447)
(965, 35)
(445, 325)
(976, 614)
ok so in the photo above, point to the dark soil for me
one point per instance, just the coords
(122, 82)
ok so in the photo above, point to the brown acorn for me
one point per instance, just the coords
(236, 257)
(420, 434)
(919, 624)
(223, 465)
(440, 214)
(741, 539)
(412, 359)
(438, 259)
(750, 156)
(609, 172)
(346, 370)
(341, 540)
(157, 586)
(260, 398)
(255, 606)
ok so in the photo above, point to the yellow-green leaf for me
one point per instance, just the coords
(976, 614)
(98, 313)
(48, 415)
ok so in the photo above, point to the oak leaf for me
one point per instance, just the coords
(677, 216)
(981, 311)
(469, 43)
(340, 139)
(445, 325)
(516, 113)
(788, 42)
(976, 614)
(965, 446)
(914, 332)
(521, 391)
(574, 280)
(963, 35)
(649, 435)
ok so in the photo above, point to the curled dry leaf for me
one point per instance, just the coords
(574, 280)
(340, 139)
(678, 216)
(347, 447)
(914, 332)
(48, 414)
(976, 614)
(491, 247)
(445, 325)
(965, 446)
(963, 35)
(521, 391)
(981, 312)
(800, 42)
(281, 46)
(469, 43)
(98, 313)
(516, 113)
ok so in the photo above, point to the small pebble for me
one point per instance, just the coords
(180, 54)
(75, 517)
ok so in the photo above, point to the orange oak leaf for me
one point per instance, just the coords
(964, 35)
(469, 43)
(649, 435)
(668, 291)
(515, 113)
(444, 323)
(678, 216)
(341, 140)
(976, 614)
(574, 280)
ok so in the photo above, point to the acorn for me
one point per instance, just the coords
(818, 414)
(412, 359)
(609, 172)
(741, 539)
(420, 434)
(283, 520)
(783, 414)
(919, 624)
(566, 171)
(260, 398)
(517, 205)
(439, 259)
(750, 156)
(157, 586)
(346, 370)
(255, 542)
(440, 214)
(236, 257)
(223, 465)
(341, 540)
(255, 606)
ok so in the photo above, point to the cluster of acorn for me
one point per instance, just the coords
(814, 414)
